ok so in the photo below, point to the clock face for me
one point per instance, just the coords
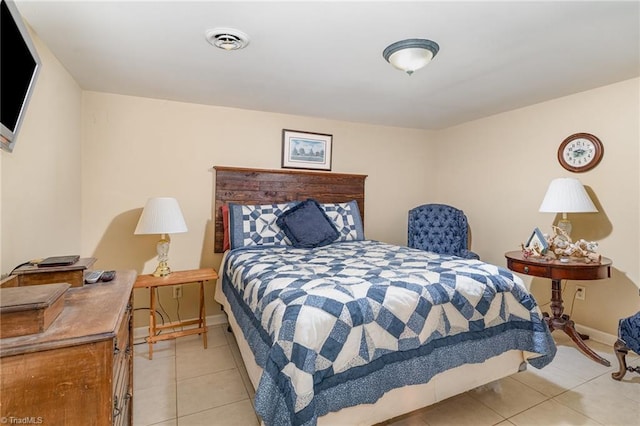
(580, 152)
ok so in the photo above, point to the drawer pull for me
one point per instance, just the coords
(526, 269)
(116, 409)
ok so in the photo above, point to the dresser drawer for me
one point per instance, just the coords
(122, 350)
(529, 269)
(122, 342)
(122, 369)
(122, 419)
(122, 393)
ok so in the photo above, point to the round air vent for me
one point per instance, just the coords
(227, 38)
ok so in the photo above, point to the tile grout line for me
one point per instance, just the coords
(175, 378)
(553, 398)
(229, 340)
(236, 367)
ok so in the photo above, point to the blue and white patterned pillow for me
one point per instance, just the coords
(254, 225)
(346, 217)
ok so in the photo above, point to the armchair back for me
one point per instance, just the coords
(439, 228)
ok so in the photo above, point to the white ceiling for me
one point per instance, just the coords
(324, 59)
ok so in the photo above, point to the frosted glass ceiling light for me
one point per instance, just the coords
(410, 55)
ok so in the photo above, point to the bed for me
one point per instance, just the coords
(355, 331)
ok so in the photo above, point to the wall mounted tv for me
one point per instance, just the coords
(19, 67)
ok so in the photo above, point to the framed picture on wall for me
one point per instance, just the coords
(306, 150)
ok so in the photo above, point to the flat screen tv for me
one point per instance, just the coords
(19, 67)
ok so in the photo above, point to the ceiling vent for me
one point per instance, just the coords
(227, 38)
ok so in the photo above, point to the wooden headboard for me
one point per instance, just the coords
(261, 186)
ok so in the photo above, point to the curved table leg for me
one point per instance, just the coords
(570, 330)
(562, 322)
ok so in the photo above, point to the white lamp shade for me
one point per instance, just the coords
(161, 216)
(567, 195)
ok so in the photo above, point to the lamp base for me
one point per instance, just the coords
(162, 270)
(565, 225)
(163, 256)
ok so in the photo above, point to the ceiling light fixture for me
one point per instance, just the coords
(227, 38)
(411, 54)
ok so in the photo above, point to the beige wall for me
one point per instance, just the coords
(498, 169)
(86, 162)
(40, 184)
(136, 148)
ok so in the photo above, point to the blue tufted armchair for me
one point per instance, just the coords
(441, 229)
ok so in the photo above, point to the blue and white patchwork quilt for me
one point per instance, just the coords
(340, 325)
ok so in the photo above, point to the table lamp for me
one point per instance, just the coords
(566, 195)
(163, 216)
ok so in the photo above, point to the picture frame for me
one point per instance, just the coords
(306, 150)
(537, 243)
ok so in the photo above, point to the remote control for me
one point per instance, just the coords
(92, 277)
(108, 275)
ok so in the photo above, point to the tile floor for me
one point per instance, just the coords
(186, 384)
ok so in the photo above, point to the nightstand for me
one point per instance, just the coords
(176, 278)
(558, 271)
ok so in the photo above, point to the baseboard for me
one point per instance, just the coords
(597, 335)
(142, 332)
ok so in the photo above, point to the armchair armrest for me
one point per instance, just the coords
(468, 254)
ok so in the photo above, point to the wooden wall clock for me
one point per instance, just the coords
(580, 152)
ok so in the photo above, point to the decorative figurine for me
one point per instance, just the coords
(561, 245)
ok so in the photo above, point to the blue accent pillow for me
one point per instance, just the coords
(307, 225)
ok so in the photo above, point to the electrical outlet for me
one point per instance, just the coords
(177, 291)
(580, 292)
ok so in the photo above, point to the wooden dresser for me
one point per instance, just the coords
(80, 370)
(72, 274)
